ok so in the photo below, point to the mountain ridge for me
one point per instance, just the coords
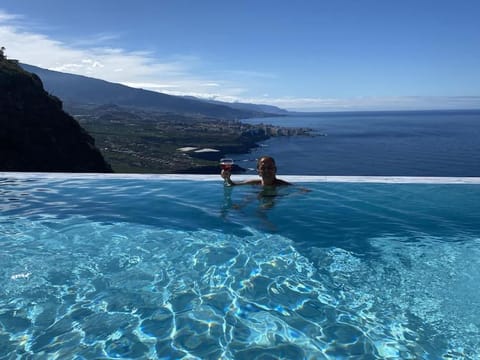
(268, 109)
(79, 89)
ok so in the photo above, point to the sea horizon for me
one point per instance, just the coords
(340, 111)
(374, 143)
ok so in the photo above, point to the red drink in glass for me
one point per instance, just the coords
(226, 164)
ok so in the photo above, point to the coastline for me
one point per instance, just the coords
(146, 142)
(246, 146)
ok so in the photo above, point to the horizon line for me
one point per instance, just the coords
(294, 109)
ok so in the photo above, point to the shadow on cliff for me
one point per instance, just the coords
(35, 133)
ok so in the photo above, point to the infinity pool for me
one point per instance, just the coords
(159, 267)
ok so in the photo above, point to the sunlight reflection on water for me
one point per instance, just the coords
(150, 268)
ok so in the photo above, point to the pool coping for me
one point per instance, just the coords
(290, 178)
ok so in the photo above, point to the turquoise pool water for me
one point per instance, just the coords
(153, 267)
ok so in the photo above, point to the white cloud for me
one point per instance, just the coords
(6, 17)
(178, 76)
(211, 84)
(150, 86)
(137, 69)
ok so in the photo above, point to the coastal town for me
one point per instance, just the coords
(141, 141)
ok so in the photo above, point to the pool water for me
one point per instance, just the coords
(152, 267)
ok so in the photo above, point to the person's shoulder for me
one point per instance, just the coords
(253, 182)
(281, 182)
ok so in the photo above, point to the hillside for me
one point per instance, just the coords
(141, 131)
(143, 141)
(262, 108)
(35, 133)
(76, 89)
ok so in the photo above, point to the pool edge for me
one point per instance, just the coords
(291, 178)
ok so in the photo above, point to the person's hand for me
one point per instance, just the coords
(225, 174)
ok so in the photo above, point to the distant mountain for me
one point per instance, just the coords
(269, 109)
(35, 133)
(76, 89)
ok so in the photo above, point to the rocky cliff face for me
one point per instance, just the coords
(35, 133)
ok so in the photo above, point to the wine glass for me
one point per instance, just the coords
(226, 164)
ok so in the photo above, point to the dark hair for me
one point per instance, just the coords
(260, 159)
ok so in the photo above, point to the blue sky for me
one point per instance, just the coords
(308, 55)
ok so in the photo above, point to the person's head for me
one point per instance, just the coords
(266, 167)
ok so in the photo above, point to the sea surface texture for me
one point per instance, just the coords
(171, 269)
(424, 143)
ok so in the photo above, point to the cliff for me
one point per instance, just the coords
(35, 133)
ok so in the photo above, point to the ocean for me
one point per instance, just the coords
(404, 143)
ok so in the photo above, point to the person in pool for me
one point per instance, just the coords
(267, 170)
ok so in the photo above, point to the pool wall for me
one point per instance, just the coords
(290, 178)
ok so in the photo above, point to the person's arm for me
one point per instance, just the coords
(225, 174)
(282, 182)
